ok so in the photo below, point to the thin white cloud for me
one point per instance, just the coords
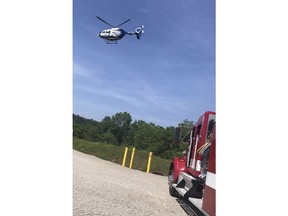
(79, 70)
(91, 104)
(89, 27)
(113, 93)
(145, 97)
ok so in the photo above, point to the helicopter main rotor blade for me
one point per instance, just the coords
(124, 22)
(106, 22)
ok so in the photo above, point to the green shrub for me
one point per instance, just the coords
(115, 154)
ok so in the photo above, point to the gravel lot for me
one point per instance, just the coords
(104, 188)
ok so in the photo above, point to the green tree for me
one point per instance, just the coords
(128, 138)
(108, 138)
(118, 130)
(78, 131)
(185, 126)
(106, 124)
(120, 125)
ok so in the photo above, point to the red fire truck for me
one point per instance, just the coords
(192, 176)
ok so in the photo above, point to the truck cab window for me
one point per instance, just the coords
(210, 128)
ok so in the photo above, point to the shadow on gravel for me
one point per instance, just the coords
(156, 173)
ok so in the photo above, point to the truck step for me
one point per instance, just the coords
(188, 180)
(186, 176)
(180, 190)
(188, 186)
(197, 206)
(196, 202)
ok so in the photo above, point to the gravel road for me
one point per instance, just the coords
(104, 188)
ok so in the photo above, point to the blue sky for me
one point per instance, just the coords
(165, 77)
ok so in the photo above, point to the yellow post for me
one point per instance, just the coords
(132, 158)
(149, 162)
(125, 155)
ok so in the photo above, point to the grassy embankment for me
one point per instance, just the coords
(115, 154)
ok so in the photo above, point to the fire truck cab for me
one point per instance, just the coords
(192, 176)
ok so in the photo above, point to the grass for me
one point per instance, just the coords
(115, 154)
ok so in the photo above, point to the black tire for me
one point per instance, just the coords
(172, 190)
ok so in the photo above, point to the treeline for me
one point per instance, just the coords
(120, 130)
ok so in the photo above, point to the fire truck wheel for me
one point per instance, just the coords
(172, 190)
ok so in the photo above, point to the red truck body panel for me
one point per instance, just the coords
(199, 165)
(198, 140)
(209, 197)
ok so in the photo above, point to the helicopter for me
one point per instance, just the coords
(112, 35)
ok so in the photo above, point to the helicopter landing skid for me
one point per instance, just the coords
(111, 42)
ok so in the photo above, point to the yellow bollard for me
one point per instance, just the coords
(125, 155)
(132, 158)
(149, 162)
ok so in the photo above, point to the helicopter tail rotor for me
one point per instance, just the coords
(139, 31)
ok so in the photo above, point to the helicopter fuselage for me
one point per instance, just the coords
(112, 34)
(115, 33)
